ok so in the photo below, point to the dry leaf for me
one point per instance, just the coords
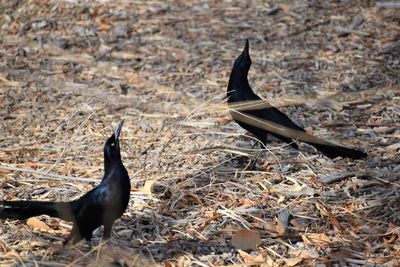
(294, 191)
(147, 188)
(3, 247)
(271, 227)
(246, 240)
(250, 259)
(395, 146)
(293, 261)
(8, 82)
(37, 224)
(10, 196)
(392, 238)
(283, 222)
(104, 26)
(296, 223)
(305, 254)
(167, 263)
(334, 220)
(320, 240)
(36, 244)
(221, 241)
(281, 229)
(11, 255)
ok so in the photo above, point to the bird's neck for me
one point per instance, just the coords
(112, 161)
(238, 83)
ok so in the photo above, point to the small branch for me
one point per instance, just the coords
(345, 31)
(358, 124)
(273, 10)
(47, 175)
(335, 177)
(393, 5)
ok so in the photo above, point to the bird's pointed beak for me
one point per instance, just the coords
(118, 130)
(246, 48)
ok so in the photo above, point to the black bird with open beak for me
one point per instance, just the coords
(101, 206)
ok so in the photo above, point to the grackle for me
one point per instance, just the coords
(101, 206)
(260, 118)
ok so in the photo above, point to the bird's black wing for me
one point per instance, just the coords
(275, 115)
(268, 113)
(89, 211)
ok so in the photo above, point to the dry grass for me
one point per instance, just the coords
(70, 71)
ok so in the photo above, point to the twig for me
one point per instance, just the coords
(367, 124)
(345, 31)
(307, 28)
(69, 141)
(393, 5)
(47, 175)
(109, 51)
(335, 177)
(273, 10)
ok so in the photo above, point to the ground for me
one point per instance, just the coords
(70, 71)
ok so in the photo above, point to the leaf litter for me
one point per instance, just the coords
(69, 70)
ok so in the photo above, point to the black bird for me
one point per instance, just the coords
(260, 118)
(101, 206)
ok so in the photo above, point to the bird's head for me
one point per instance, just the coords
(243, 62)
(112, 146)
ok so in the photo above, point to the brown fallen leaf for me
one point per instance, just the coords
(3, 247)
(305, 254)
(37, 224)
(334, 221)
(8, 82)
(271, 227)
(283, 222)
(391, 239)
(167, 263)
(320, 240)
(296, 223)
(36, 244)
(293, 261)
(250, 259)
(187, 200)
(147, 188)
(104, 26)
(293, 190)
(246, 240)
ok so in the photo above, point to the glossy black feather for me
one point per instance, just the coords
(239, 90)
(101, 206)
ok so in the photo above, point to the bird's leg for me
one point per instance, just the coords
(252, 163)
(71, 239)
(89, 243)
(107, 230)
(66, 241)
(71, 236)
(74, 237)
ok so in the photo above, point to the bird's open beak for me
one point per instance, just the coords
(118, 130)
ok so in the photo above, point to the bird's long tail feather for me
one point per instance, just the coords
(333, 151)
(27, 209)
(330, 149)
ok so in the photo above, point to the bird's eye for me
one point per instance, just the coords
(112, 144)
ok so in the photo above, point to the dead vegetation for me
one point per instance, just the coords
(70, 70)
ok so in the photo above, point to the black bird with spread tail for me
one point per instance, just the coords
(101, 206)
(260, 118)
